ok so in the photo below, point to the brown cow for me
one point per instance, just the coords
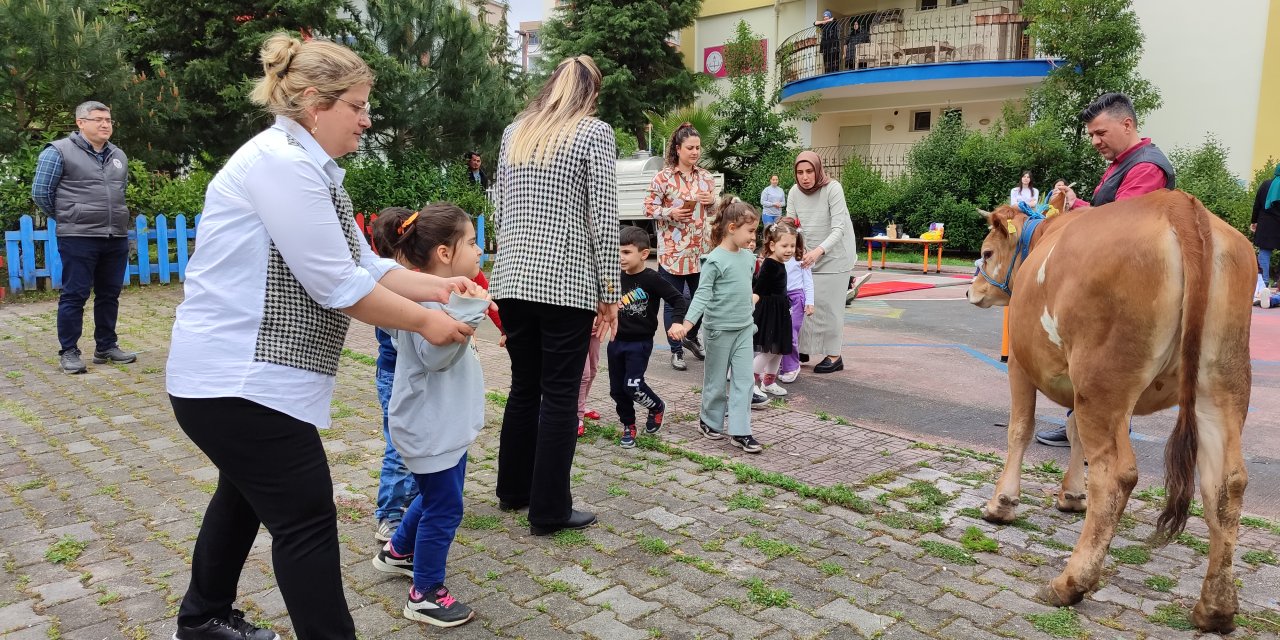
(1129, 308)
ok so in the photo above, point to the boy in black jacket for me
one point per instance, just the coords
(637, 321)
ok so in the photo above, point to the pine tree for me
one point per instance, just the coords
(642, 71)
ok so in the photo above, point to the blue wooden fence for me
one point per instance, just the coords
(20, 251)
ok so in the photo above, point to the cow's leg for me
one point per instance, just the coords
(1222, 483)
(1072, 497)
(1022, 418)
(1102, 427)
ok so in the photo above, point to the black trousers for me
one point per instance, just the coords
(548, 349)
(90, 265)
(272, 470)
(682, 283)
(628, 361)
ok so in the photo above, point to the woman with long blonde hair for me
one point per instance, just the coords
(556, 282)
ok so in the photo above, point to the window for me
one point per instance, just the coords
(921, 120)
(926, 5)
(956, 3)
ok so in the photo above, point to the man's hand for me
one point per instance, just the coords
(606, 322)
(811, 256)
(1070, 193)
(808, 309)
(441, 329)
(1253, 228)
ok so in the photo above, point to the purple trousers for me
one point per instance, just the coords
(791, 361)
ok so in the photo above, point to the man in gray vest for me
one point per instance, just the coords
(80, 182)
(1137, 168)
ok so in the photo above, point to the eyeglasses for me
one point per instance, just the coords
(98, 120)
(365, 109)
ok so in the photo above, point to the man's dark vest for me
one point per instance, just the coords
(1106, 192)
(90, 196)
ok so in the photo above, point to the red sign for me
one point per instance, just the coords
(713, 61)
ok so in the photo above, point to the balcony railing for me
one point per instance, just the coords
(889, 159)
(895, 37)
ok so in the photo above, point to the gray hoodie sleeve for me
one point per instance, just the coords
(462, 309)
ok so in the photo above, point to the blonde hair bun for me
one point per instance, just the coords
(290, 67)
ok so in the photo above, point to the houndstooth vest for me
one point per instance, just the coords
(296, 331)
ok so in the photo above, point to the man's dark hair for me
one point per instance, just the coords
(1116, 104)
(633, 236)
(470, 154)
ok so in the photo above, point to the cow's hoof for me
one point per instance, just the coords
(1071, 502)
(1221, 622)
(1000, 509)
(1051, 596)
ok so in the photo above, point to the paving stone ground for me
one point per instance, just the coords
(835, 531)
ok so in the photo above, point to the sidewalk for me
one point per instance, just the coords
(835, 531)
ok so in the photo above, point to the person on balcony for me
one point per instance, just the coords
(830, 44)
(857, 35)
(80, 182)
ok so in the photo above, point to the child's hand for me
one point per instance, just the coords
(502, 341)
(755, 298)
(677, 332)
(808, 309)
(474, 290)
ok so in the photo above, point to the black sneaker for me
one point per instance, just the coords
(693, 346)
(387, 563)
(628, 439)
(654, 422)
(114, 355)
(747, 443)
(1053, 437)
(437, 608)
(237, 628)
(758, 400)
(708, 432)
(71, 363)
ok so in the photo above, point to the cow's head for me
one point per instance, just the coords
(992, 282)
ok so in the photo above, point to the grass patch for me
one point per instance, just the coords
(975, 540)
(900, 520)
(481, 523)
(1024, 524)
(812, 507)
(497, 398)
(362, 358)
(1048, 468)
(830, 569)
(1259, 557)
(769, 547)
(741, 500)
(928, 497)
(1134, 554)
(1172, 616)
(569, 538)
(761, 594)
(882, 477)
(948, 552)
(1199, 545)
(1163, 584)
(698, 563)
(65, 550)
(555, 586)
(1051, 543)
(1153, 495)
(32, 484)
(617, 491)
(712, 546)
(1254, 522)
(824, 416)
(1259, 621)
(655, 545)
(971, 512)
(1063, 623)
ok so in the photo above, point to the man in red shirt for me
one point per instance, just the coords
(1137, 168)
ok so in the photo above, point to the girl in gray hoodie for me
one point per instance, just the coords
(436, 408)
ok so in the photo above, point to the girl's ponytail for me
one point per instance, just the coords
(730, 210)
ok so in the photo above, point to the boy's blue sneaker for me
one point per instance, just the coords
(628, 436)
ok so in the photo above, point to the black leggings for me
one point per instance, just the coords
(272, 470)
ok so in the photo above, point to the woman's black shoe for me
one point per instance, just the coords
(577, 520)
(503, 505)
(804, 357)
(829, 366)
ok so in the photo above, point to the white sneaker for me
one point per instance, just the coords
(788, 377)
(852, 294)
(774, 389)
(1265, 302)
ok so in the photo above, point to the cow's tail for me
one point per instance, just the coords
(1192, 227)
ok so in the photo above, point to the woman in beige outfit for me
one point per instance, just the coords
(818, 203)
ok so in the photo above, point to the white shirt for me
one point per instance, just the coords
(1018, 194)
(270, 190)
(799, 278)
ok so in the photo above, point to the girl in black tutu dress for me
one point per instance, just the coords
(773, 306)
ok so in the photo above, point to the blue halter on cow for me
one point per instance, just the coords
(1128, 308)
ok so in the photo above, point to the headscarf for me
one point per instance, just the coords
(1273, 194)
(821, 178)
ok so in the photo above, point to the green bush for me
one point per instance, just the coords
(413, 182)
(779, 161)
(1202, 171)
(152, 193)
(626, 143)
(871, 199)
(16, 172)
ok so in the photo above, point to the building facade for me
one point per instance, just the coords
(886, 70)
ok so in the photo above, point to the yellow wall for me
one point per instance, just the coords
(1266, 142)
(717, 7)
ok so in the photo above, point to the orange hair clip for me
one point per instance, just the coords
(404, 226)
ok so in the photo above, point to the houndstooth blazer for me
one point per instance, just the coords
(557, 224)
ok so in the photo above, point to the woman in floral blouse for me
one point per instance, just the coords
(679, 201)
